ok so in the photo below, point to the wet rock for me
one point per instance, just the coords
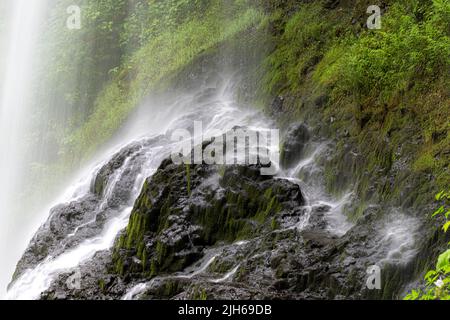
(221, 232)
(178, 213)
(331, 4)
(103, 176)
(318, 239)
(321, 101)
(294, 143)
(277, 105)
(63, 221)
(84, 217)
(90, 280)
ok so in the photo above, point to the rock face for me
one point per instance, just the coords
(183, 209)
(221, 232)
(85, 217)
(296, 138)
(226, 232)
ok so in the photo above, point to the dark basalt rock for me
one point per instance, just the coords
(221, 232)
(276, 106)
(294, 144)
(98, 185)
(182, 209)
(331, 4)
(71, 223)
(226, 232)
(51, 238)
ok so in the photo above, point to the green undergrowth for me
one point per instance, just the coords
(384, 92)
(157, 59)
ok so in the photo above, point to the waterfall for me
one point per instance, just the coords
(214, 105)
(46, 244)
(15, 108)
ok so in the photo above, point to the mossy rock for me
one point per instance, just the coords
(175, 217)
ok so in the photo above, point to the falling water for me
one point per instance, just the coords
(15, 106)
(218, 112)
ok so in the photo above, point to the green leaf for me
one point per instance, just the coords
(413, 295)
(443, 261)
(438, 211)
(430, 276)
(446, 226)
(439, 195)
(446, 269)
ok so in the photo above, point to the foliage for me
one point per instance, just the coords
(90, 79)
(148, 66)
(438, 280)
(379, 65)
(394, 75)
(391, 81)
(301, 44)
(148, 19)
(76, 63)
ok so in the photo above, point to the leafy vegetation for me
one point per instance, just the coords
(159, 58)
(303, 42)
(387, 89)
(380, 65)
(96, 75)
(382, 90)
(437, 280)
(402, 67)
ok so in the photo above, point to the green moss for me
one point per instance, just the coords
(395, 78)
(240, 216)
(170, 288)
(101, 285)
(302, 44)
(411, 51)
(266, 209)
(199, 294)
(135, 230)
(144, 260)
(384, 95)
(119, 266)
(188, 178)
(426, 162)
(153, 269)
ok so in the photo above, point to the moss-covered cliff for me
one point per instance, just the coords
(379, 97)
(382, 92)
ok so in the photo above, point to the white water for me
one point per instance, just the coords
(315, 195)
(35, 281)
(15, 107)
(191, 272)
(227, 276)
(218, 114)
(398, 235)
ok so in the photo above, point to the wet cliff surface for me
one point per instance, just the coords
(218, 232)
(349, 195)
